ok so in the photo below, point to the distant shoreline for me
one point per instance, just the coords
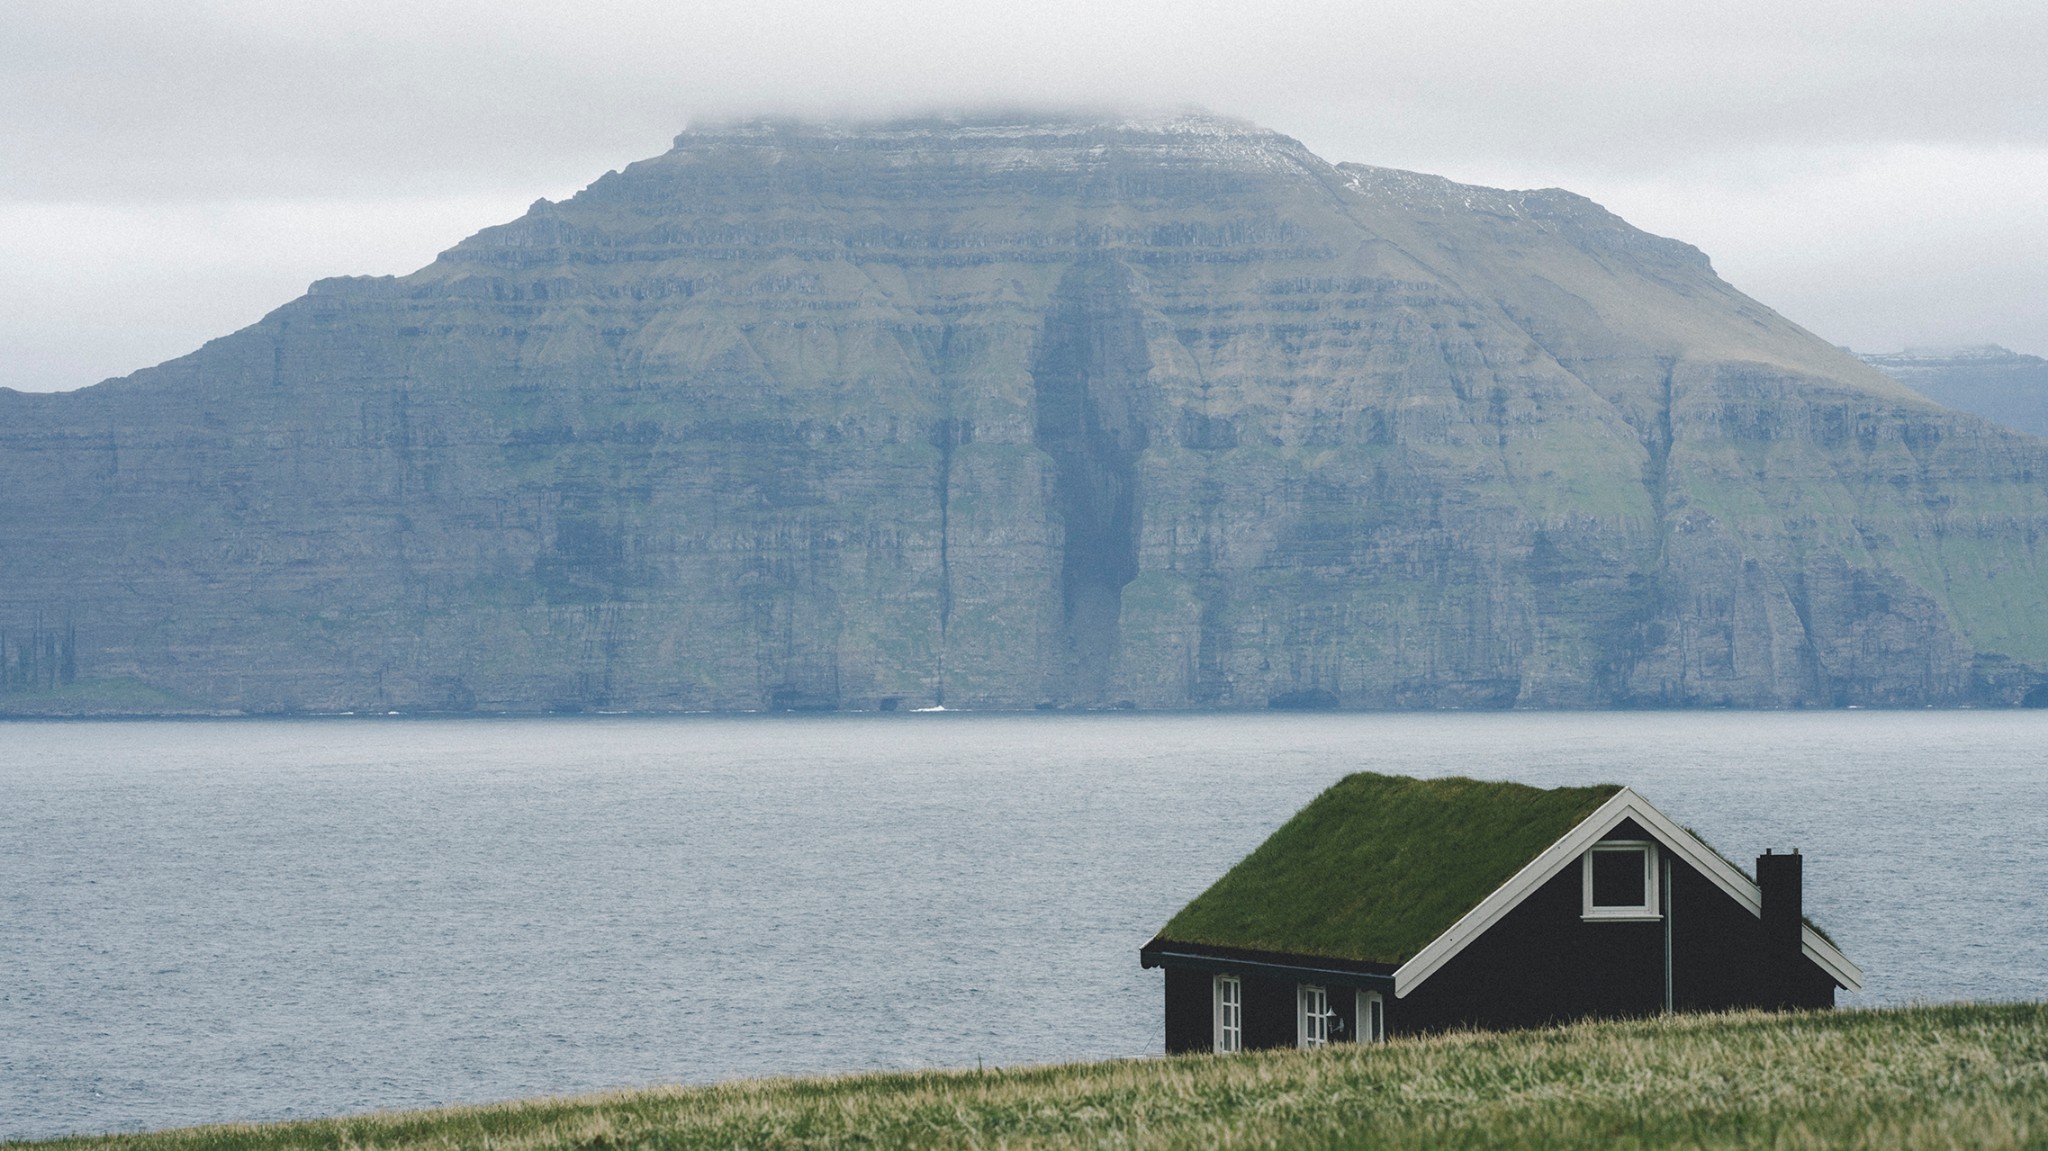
(818, 713)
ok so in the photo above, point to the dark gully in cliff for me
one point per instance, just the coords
(1003, 414)
(1089, 375)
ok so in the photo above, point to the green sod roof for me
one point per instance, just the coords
(1379, 865)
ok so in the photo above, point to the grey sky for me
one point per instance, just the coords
(171, 171)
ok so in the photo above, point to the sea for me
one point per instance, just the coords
(226, 921)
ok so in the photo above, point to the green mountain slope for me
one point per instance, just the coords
(999, 414)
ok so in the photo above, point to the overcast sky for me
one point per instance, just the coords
(170, 171)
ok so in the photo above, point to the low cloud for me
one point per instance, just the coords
(1861, 167)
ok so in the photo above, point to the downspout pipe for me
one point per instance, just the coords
(1664, 879)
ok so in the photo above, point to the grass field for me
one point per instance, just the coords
(1947, 1077)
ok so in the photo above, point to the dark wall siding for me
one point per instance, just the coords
(1269, 1012)
(1190, 1007)
(1719, 951)
(1714, 944)
(1544, 963)
(1717, 947)
(1816, 988)
(1541, 963)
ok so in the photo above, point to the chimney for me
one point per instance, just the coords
(1784, 907)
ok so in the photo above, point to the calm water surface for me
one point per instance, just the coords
(203, 922)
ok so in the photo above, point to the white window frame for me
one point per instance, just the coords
(1648, 909)
(1227, 1014)
(1312, 1015)
(1372, 1017)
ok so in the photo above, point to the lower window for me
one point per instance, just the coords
(1229, 1014)
(1372, 1017)
(1315, 1015)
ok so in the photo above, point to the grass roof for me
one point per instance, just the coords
(1379, 865)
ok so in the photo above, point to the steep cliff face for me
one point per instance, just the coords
(1009, 414)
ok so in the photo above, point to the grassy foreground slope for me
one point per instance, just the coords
(1957, 1076)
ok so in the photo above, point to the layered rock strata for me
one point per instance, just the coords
(1014, 414)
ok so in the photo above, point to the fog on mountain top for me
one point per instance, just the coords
(172, 173)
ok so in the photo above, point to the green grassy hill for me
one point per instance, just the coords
(1956, 1076)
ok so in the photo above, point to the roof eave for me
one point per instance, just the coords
(1163, 952)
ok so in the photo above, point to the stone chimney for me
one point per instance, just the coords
(1783, 884)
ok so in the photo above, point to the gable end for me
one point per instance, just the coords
(1623, 806)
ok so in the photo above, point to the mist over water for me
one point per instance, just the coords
(204, 922)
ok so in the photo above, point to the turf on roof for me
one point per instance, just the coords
(1379, 865)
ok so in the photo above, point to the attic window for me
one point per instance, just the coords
(1621, 880)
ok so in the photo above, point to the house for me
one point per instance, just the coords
(1390, 906)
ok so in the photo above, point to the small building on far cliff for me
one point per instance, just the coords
(1392, 906)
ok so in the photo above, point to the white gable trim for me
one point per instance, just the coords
(1625, 805)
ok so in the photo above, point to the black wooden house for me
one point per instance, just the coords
(1392, 905)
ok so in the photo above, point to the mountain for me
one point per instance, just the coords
(1004, 413)
(2003, 386)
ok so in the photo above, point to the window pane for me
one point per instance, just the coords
(1229, 1014)
(1618, 878)
(1315, 1016)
